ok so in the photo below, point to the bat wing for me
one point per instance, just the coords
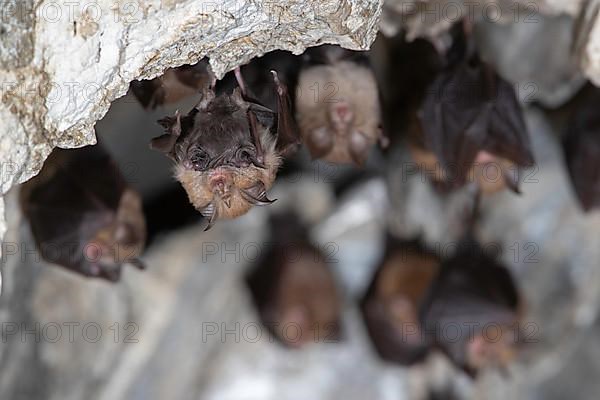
(281, 122)
(582, 147)
(288, 138)
(508, 133)
(452, 120)
(470, 108)
(472, 291)
(76, 194)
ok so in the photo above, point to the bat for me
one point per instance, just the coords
(228, 148)
(337, 105)
(581, 148)
(174, 85)
(472, 122)
(391, 305)
(294, 288)
(473, 310)
(406, 85)
(83, 215)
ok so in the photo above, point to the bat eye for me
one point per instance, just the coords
(245, 155)
(198, 158)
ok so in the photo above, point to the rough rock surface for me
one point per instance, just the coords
(193, 331)
(550, 245)
(62, 63)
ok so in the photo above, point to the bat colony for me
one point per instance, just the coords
(458, 114)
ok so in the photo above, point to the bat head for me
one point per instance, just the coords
(391, 306)
(497, 352)
(307, 306)
(224, 169)
(294, 288)
(122, 241)
(493, 174)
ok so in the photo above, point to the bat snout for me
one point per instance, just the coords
(341, 114)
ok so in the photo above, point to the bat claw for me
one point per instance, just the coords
(211, 212)
(280, 87)
(260, 200)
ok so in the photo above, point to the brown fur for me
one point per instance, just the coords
(307, 296)
(197, 183)
(349, 82)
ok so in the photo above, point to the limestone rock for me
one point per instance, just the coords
(62, 63)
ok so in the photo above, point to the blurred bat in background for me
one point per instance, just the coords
(338, 106)
(174, 85)
(83, 215)
(391, 305)
(582, 148)
(228, 148)
(294, 288)
(473, 310)
(472, 122)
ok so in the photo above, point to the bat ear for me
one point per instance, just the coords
(166, 142)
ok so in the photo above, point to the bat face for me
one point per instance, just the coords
(174, 85)
(472, 121)
(119, 242)
(82, 214)
(472, 311)
(295, 292)
(225, 151)
(581, 148)
(391, 306)
(338, 110)
(490, 173)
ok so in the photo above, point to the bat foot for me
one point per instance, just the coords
(280, 87)
(240, 79)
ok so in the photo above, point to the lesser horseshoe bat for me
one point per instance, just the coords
(337, 105)
(472, 310)
(294, 288)
(228, 148)
(472, 123)
(392, 303)
(174, 85)
(83, 215)
(582, 147)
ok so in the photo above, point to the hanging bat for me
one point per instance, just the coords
(472, 122)
(391, 305)
(174, 85)
(582, 147)
(228, 148)
(294, 289)
(473, 310)
(83, 215)
(337, 105)
(406, 85)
